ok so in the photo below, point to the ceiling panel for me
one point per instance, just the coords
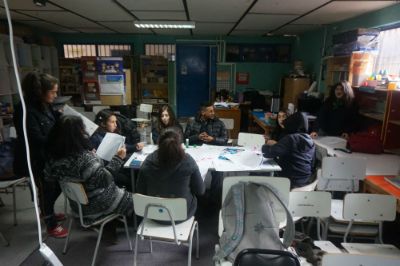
(102, 9)
(296, 29)
(159, 15)
(95, 30)
(338, 11)
(28, 5)
(152, 4)
(221, 10)
(263, 22)
(285, 6)
(172, 32)
(248, 32)
(125, 27)
(212, 28)
(48, 26)
(14, 15)
(63, 18)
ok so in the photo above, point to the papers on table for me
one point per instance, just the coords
(110, 145)
(89, 125)
(247, 160)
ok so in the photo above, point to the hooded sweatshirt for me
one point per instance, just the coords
(180, 181)
(294, 152)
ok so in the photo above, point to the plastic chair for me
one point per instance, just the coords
(76, 193)
(167, 210)
(358, 260)
(229, 124)
(12, 184)
(251, 140)
(261, 257)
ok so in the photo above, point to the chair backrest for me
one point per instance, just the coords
(310, 203)
(261, 257)
(249, 139)
(341, 173)
(75, 192)
(158, 207)
(358, 260)
(228, 122)
(146, 108)
(369, 207)
(281, 184)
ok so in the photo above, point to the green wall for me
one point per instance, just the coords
(309, 45)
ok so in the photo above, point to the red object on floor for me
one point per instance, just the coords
(58, 232)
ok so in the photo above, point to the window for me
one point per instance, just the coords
(79, 50)
(166, 50)
(388, 54)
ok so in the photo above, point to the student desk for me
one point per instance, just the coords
(378, 185)
(259, 118)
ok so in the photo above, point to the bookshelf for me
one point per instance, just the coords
(153, 79)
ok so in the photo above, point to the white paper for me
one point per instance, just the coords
(111, 84)
(110, 145)
(89, 125)
(247, 159)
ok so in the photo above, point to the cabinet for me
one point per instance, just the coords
(70, 85)
(232, 114)
(153, 81)
(379, 110)
(293, 88)
(354, 68)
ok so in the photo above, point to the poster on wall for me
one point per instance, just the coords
(242, 78)
(111, 84)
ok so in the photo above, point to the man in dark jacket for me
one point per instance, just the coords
(208, 129)
(294, 152)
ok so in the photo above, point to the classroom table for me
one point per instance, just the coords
(377, 184)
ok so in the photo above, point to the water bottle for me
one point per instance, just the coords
(143, 135)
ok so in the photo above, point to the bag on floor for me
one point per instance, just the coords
(365, 142)
(249, 220)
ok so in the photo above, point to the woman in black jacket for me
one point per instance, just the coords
(165, 119)
(39, 90)
(169, 172)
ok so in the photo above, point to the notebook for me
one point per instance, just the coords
(395, 181)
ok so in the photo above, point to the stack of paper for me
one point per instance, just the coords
(110, 145)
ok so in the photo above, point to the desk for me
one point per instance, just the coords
(377, 164)
(378, 185)
(259, 118)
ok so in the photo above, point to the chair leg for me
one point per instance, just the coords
(191, 244)
(68, 236)
(380, 233)
(4, 240)
(14, 205)
(65, 203)
(151, 245)
(136, 249)
(98, 243)
(127, 231)
(197, 241)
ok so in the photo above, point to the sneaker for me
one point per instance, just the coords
(60, 217)
(57, 232)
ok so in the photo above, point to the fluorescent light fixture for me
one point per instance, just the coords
(168, 24)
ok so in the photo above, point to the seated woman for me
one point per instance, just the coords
(71, 160)
(107, 122)
(166, 118)
(169, 172)
(294, 152)
(279, 130)
(338, 114)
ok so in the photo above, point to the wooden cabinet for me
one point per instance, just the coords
(379, 110)
(153, 81)
(354, 68)
(293, 88)
(233, 114)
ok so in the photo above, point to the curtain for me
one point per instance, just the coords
(389, 52)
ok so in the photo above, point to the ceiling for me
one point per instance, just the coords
(212, 17)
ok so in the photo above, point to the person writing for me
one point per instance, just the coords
(39, 90)
(169, 172)
(338, 114)
(294, 152)
(165, 119)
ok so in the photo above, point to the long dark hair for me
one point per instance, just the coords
(67, 137)
(172, 118)
(35, 86)
(348, 93)
(170, 151)
(102, 118)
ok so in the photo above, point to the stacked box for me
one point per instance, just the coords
(355, 40)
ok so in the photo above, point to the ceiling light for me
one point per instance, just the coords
(40, 3)
(164, 24)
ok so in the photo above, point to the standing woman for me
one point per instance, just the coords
(169, 172)
(338, 114)
(166, 118)
(39, 91)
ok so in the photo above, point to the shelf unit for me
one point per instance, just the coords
(379, 109)
(153, 79)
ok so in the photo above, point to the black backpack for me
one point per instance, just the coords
(128, 129)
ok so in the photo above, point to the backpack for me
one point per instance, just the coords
(248, 215)
(128, 129)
